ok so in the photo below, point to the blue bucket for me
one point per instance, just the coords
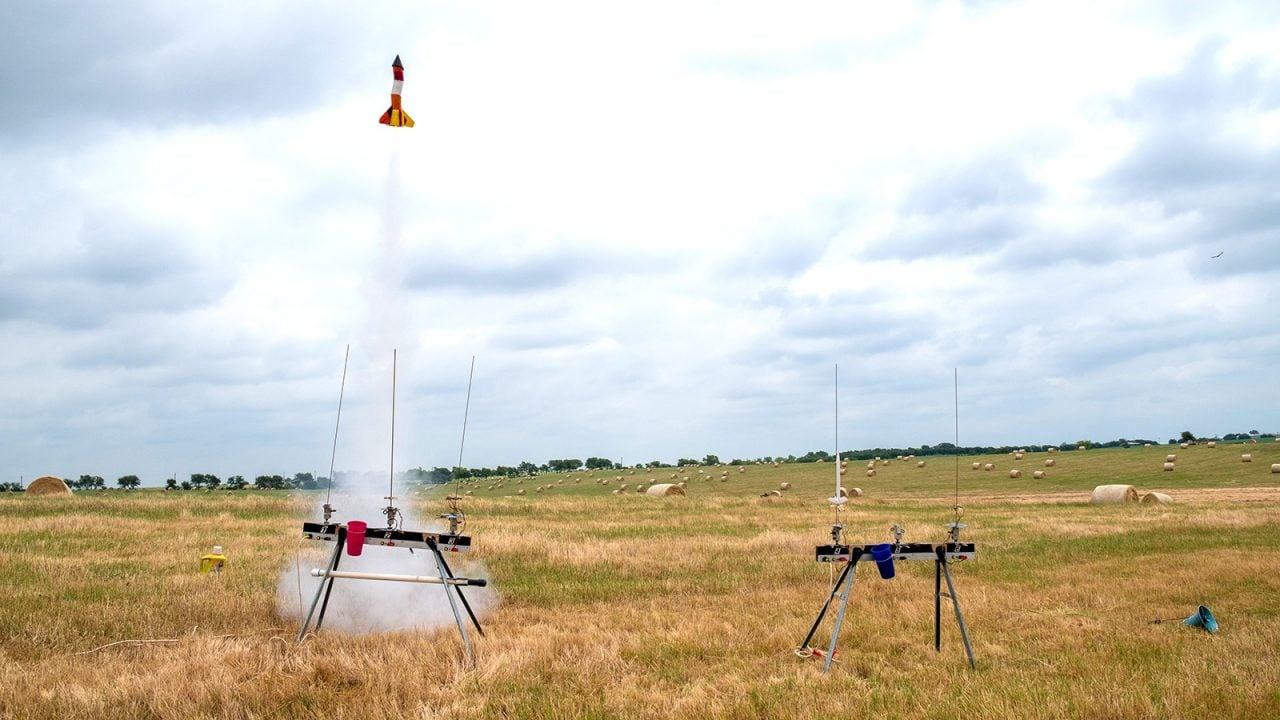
(883, 555)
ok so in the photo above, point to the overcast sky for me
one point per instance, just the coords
(656, 228)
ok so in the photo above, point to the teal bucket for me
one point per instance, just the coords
(1203, 619)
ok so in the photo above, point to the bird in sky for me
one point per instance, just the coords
(1217, 256)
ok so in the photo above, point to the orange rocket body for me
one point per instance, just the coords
(395, 116)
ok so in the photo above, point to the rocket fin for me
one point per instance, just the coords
(386, 117)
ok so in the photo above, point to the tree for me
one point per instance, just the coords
(171, 484)
(304, 480)
(711, 460)
(595, 463)
(128, 482)
(1187, 437)
(186, 485)
(236, 482)
(90, 482)
(11, 487)
(270, 482)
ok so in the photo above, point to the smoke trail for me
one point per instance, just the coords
(361, 606)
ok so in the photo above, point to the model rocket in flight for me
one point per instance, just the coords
(394, 116)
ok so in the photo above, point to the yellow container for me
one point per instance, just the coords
(214, 561)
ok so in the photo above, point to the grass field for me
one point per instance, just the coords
(625, 606)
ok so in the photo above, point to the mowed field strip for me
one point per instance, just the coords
(628, 606)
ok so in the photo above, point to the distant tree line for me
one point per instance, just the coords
(299, 481)
(441, 475)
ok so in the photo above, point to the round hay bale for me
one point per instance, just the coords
(1115, 494)
(1184, 446)
(623, 486)
(1155, 498)
(920, 464)
(742, 468)
(1170, 458)
(1080, 447)
(520, 491)
(771, 494)
(640, 488)
(977, 466)
(48, 485)
(844, 471)
(470, 492)
(988, 467)
(1168, 467)
(1212, 443)
(1017, 456)
(1246, 458)
(1050, 462)
(1051, 449)
(854, 492)
(784, 486)
(1275, 467)
(871, 465)
(1038, 474)
(1015, 473)
(844, 493)
(871, 473)
(683, 484)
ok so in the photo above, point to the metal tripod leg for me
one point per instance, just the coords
(453, 604)
(844, 603)
(955, 602)
(845, 580)
(466, 605)
(324, 605)
(937, 603)
(823, 612)
(325, 585)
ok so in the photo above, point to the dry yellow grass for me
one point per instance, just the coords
(632, 607)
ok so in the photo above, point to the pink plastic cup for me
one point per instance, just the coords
(355, 536)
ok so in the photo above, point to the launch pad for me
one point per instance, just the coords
(942, 554)
(436, 543)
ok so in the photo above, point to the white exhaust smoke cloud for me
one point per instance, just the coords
(365, 606)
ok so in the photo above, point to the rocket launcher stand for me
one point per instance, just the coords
(391, 538)
(843, 588)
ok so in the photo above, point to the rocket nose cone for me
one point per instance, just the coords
(396, 63)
